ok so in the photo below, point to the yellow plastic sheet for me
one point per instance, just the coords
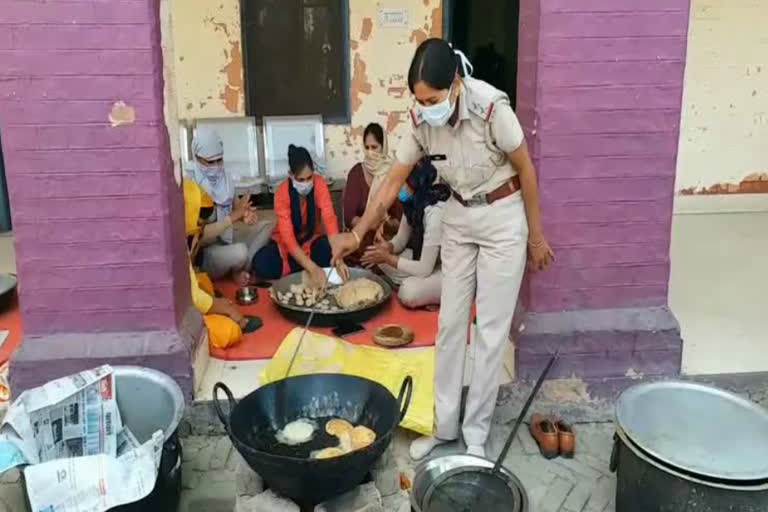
(324, 354)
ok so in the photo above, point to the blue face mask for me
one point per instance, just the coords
(404, 196)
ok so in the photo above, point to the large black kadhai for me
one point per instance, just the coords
(253, 422)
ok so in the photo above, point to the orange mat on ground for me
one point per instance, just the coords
(263, 343)
(10, 320)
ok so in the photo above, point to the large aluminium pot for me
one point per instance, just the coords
(148, 401)
(686, 447)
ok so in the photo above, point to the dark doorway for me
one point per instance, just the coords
(5, 205)
(487, 32)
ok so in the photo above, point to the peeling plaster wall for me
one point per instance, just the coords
(209, 68)
(725, 103)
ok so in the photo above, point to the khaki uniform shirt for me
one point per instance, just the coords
(474, 148)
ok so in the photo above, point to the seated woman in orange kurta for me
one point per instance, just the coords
(305, 220)
(224, 321)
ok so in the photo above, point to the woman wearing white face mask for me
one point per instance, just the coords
(229, 243)
(468, 130)
(303, 208)
(363, 181)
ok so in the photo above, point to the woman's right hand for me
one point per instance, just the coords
(317, 277)
(226, 307)
(241, 207)
(342, 245)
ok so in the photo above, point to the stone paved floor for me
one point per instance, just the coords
(583, 484)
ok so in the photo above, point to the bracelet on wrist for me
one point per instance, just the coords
(357, 237)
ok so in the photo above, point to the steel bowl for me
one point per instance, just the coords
(246, 295)
(432, 472)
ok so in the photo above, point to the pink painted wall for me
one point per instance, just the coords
(600, 93)
(97, 215)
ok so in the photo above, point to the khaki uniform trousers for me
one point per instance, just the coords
(483, 257)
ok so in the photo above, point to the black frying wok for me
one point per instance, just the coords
(254, 421)
(300, 314)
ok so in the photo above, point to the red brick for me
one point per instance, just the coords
(86, 186)
(90, 253)
(619, 254)
(603, 276)
(136, 208)
(103, 230)
(617, 232)
(74, 62)
(612, 73)
(597, 168)
(613, 97)
(81, 299)
(84, 137)
(127, 89)
(612, 6)
(622, 48)
(562, 299)
(73, 112)
(656, 210)
(87, 160)
(17, 12)
(600, 191)
(555, 121)
(612, 24)
(105, 320)
(64, 275)
(84, 37)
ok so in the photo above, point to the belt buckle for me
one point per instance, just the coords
(478, 200)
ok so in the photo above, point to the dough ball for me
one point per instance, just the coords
(296, 432)
(358, 293)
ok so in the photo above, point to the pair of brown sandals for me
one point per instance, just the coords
(554, 436)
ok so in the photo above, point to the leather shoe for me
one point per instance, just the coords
(544, 432)
(566, 438)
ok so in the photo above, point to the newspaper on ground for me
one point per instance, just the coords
(95, 482)
(79, 454)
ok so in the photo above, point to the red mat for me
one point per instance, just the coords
(10, 320)
(263, 343)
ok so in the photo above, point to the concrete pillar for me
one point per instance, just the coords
(98, 216)
(600, 89)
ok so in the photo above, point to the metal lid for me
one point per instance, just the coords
(696, 428)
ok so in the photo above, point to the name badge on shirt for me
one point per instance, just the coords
(438, 158)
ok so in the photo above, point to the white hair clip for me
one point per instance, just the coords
(465, 64)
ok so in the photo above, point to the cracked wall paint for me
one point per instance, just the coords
(208, 61)
(170, 106)
(724, 122)
(121, 114)
(208, 68)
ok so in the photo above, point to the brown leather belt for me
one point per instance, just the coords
(506, 190)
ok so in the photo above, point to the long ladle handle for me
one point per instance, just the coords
(524, 412)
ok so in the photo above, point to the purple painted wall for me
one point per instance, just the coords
(600, 94)
(97, 216)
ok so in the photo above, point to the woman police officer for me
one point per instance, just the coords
(469, 131)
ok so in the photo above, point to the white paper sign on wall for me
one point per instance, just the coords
(393, 17)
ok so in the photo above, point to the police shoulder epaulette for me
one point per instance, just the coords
(416, 117)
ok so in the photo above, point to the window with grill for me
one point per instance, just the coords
(296, 58)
